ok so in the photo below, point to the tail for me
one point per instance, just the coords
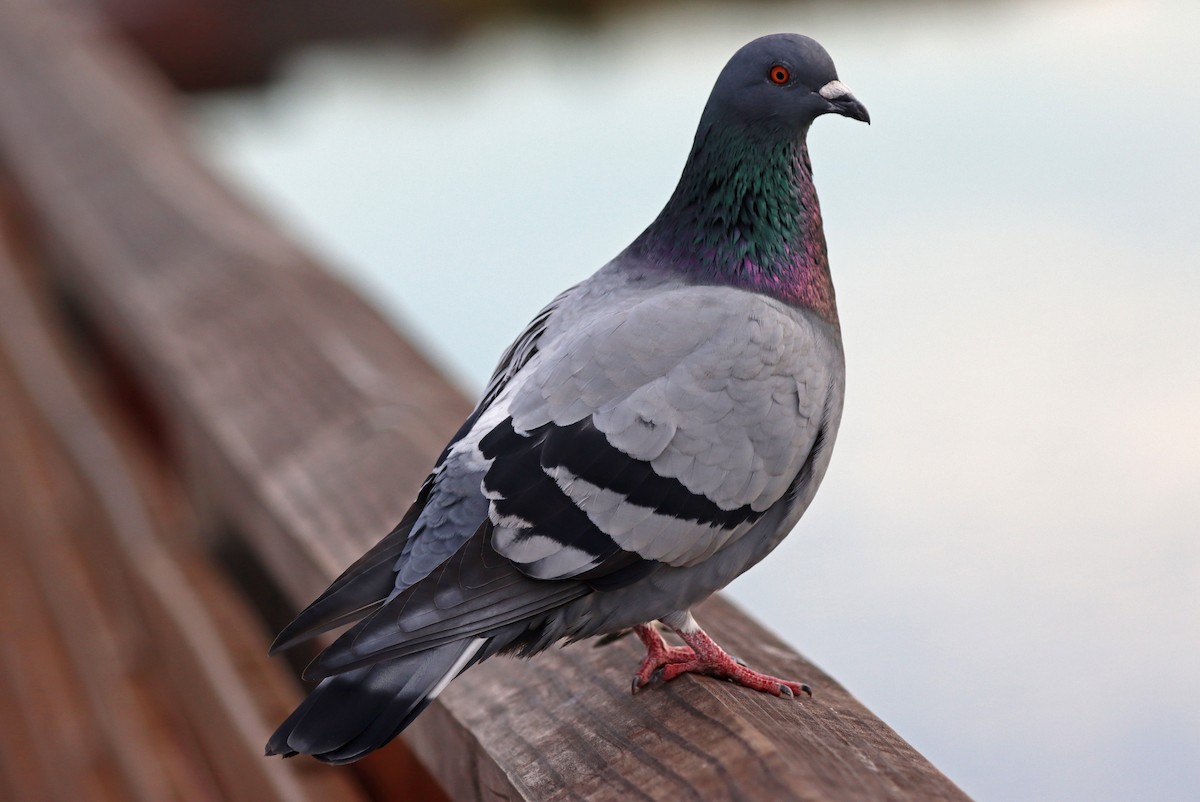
(383, 671)
(356, 712)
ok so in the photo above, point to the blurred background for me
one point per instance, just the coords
(1003, 562)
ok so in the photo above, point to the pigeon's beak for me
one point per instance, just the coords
(842, 102)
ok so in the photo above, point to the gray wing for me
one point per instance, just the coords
(448, 510)
(521, 351)
(456, 506)
(659, 432)
(474, 593)
(361, 588)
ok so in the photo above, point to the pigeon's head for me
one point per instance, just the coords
(785, 80)
(745, 211)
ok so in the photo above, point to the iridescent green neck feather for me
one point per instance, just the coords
(745, 214)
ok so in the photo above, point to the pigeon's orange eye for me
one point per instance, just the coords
(779, 74)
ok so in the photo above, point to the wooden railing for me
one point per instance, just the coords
(200, 428)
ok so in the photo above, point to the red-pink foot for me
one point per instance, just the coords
(711, 660)
(658, 655)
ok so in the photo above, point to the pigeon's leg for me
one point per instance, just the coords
(710, 659)
(658, 655)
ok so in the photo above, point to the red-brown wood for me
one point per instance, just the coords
(136, 670)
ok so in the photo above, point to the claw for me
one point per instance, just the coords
(701, 655)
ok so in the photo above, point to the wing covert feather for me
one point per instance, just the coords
(712, 395)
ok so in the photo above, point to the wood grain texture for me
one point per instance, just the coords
(130, 713)
(177, 692)
(306, 422)
(51, 746)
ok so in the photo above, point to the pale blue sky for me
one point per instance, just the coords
(1003, 562)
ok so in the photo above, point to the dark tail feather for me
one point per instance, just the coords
(351, 714)
(360, 589)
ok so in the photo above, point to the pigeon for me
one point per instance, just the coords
(654, 432)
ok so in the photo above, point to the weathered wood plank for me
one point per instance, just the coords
(307, 423)
(50, 745)
(695, 738)
(172, 617)
(139, 728)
